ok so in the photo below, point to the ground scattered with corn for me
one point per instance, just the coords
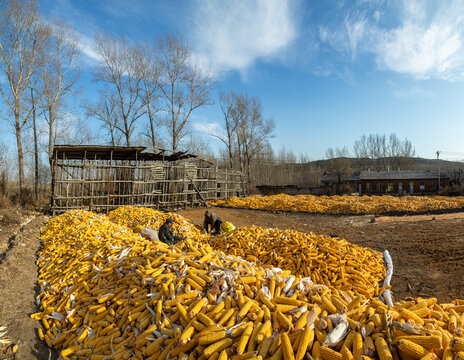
(359, 228)
(345, 204)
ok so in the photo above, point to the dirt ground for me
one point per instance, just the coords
(18, 285)
(428, 255)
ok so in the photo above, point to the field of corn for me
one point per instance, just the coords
(345, 204)
(253, 293)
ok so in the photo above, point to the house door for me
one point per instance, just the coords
(400, 188)
(411, 187)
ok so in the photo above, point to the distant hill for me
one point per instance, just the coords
(416, 163)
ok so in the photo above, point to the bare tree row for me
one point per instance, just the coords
(158, 82)
(38, 60)
(375, 151)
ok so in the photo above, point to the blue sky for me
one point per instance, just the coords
(327, 72)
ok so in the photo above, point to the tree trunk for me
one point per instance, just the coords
(112, 137)
(50, 135)
(152, 128)
(230, 159)
(36, 150)
(174, 140)
(126, 130)
(20, 155)
(229, 148)
(249, 173)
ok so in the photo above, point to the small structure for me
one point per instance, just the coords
(399, 182)
(390, 182)
(102, 178)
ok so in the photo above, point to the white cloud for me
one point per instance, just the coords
(351, 38)
(86, 45)
(232, 35)
(356, 31)
(414, 92)
(427, 41)
(209, 128)
(424, 49)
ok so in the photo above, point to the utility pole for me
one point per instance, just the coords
(438, 170)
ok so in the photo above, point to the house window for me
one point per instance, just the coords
(379, 186)
(433, 185)
(368, 187)
(422, 186)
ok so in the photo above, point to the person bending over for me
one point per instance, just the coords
(166, 235)
(214, 220)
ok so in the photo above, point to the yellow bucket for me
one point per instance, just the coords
(227, 226)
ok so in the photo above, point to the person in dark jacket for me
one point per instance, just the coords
(166, 235)
(214, 220)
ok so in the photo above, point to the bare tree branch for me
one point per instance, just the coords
(184, 86)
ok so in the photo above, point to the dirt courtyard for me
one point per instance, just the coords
(427, 251)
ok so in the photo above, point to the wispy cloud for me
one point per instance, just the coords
(232, 35)
(427, 41)
(410, 92)
(86, 45)
(341, 72)
(210, 128)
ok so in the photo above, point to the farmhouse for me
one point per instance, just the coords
(102, 178)
(399, 182)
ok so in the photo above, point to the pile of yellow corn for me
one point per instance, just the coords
(344, 204)
(108, 293)
(329, 261)
(137, 218)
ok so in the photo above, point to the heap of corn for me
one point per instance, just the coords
(107, 293)
(137, 218)
(329, 261)
(345, 204)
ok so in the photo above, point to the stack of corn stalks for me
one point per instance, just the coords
(107, 293)
(330, 261)
(344, 204)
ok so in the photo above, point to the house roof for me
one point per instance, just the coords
(400, 175)
(100, 152)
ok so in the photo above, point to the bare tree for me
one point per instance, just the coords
(34, 104)
(22, 37)
(198, 146)
(105, 110)
(253, 131)
(228, 135)
(121, 67)
(382, 153)
(184, 85)
(286, 156)
(332, 153)
(60, 74)
(149, 91)
(339, 166)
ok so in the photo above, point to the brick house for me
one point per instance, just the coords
(399, 182)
